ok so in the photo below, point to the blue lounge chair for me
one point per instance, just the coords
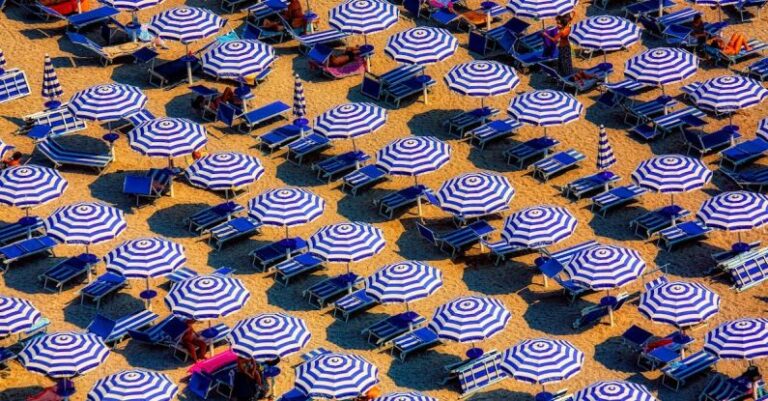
(459, 240)
(393, 326)
(555, 164)
(598, 182)
(107, 54)
(309, 40)
(114, 331)
(227, 114)
(68, 270)
(25, 248)
(350, 304)
(661, 125)
(280, 136)
(723, 388)
(513, 26)
(152, 185)
(364, 177)
(319, 60)
(590, 316)
(212, 216)
(52, 123)
(749, 272)
(525, 60)
(502, 249)
(635, 10)
(648, 224)
(705, 143)
(752, 178)
(635, 338)
(375, 86)
(599, 73)
(528, 150)
(680, 233)
(551, 268)
(334, 166)
(265, 256)
(757, 70)
(174, 331)
(172, 73)
(469, 119)
(323, 292)
(29, 227)
(269, 112)
(646, 111)
(308, 145)
(296, 266)
(60, 156)
(417, 340)
(477, 374)
(736, 251)
(155, 334)
(13, 85)
(686, 368)
(493, 130)
(80, 20)
(238, 227)
(756, 48)
(415, 86)
(390, 203)
(744, 153)
(104, 285)
(619, 196)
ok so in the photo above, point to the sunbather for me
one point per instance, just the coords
(227, 96)
(294, 14)
(349, 55)
(753, 381)
(737, 42)
(248, 381)
(193, 342)
(13, 161)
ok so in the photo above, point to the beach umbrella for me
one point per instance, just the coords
(363, 17)
(336, 376)
(735, 211)
(64, 354)
(614, 391)
(225, 171)
(605, 266)
(16, 315)
(475, 194)
(745, 338)
(405, 396)
(728, 94)
(604, 33)
(542, 360)
(238, 59)
(470, 319)
(605, 157)
(133, 6)
(167, 137)
(5, 148)
(679, 303)
(539, 226)
(286, 207)
(481, 79)
(762, 129)
(107, 102)
(134, 385)
(85, 223)
(268, 336)
(421, 45)
(207, 297)
(350, 120)
(413, 156)
(540, 9)
(672, 174)
(30, 185)
(661, 66)
(403, 282)
(347, 242)
(545, 108)
(52, 90)
(299, 101)
(2, 62)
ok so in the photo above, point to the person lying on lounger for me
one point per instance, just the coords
(294, 14)
(193, 342)
(349, 55)
(737, 42)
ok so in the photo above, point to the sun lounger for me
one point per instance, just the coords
(602, 181)
(525, 60)
(661, 125)
(212, 216)
(753, 178)
(680, 233)
(553, 269)
(531, 149)
(418, 340)
(61, 157)
(513, 26)
(332, 167)
(393, 326)
(686, 368)
(635, 338)
(52, 123)
(637, 9)
(113, 331)
(228, 114)
(25, 248)
(418, 85)
(493, 130)
(648, 224)
(599, 72)
(590, 315)
(502, 249)
(364, 177)
(319, 57)
(388, 204)
(211, 336)
(13, 85)
(269, 112)
(265, 256)
(750, 272)
(758, 70)
(326, 290)
(303, 147)
(744, 153)
(644, 112)
(736, 251)
(469, 119)
(456, 241)
(154, 184)
(104, 285)
(375, 86)
(172, 73)
(555, 164)
(280, 136)
(616, 197)
(757, 47)
(722, 388)
(107, 54)
(67, 270)
(155, 333)
(238, 227)
(705, 143)
(296, 266)
(350, 304)
(30, 226)
(77, 21)
(626, 88)
(479, 373)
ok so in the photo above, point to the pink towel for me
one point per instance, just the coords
(213, 364)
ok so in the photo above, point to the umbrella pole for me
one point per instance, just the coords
(189, 64)
(148, 305)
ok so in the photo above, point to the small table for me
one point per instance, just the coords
(110, 139)
(609, 301)
(271, 371)
(65, 388)
(209, 334)
(366, 52)
(310, 17)
(474, 353)
(487, 6)
(544, 396)
(52, 104)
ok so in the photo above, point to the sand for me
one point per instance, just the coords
(537, 311)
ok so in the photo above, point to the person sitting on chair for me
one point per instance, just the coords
(294, 15)
(698, 31)
(737, 42)
(193, 342)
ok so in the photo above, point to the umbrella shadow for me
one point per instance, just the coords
(297, 175)
(144, 356)
(108, 188)
(23, 278)
(431, 123)
(548, 310)
(502, 394)
(291, 297)
(412, 247)
(692, 259)
(167, 221)
(611, 354)
(503, 279)
(422, 371)
(237, 249)
(112, 306)
(360, 208)
(19, 393)
(347, 335)
(614, 225)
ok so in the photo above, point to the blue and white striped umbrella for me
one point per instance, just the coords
(605, 33)
(403, 282)
(672, 174)
(421, 45)
(145, 257)
(167, 137)
(350, 120)
(299, 100)
(2, 60)
(405, 396)
(238, 59)
(131, 5)
(286, 207)
(605, 266)
(735, 211)
(336, 376)
(185, 24)
(475, 194)
(605, 157)
(539, 226)
(679, 303)
(542, 360)
(661, 66)
(745, 338)
(64, 354)
(30, 185)
(545, 108)
(413, 156)
(207, 297)
(540, 9)
(224, 171)
(363, 17)
(347, 242)
(268, 336)
(762, 129)
(482, 78)
(728, 94)
(85, 223)
(107, 102)
(614, 391)
(16, 315)
(52, 90)
(470, 319)
(134, 385)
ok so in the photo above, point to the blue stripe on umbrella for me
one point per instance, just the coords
(30, 185)
(85, 223)
(107, 102)
(605, 266)
(145, 257)
(413, 156)
(134, 385)
(52, 89)
(185, 24)
(336, 376)
(679, 303)
(167, 137)
(64, 354)
(347, 242)
(225, 171)
(403, 282)
(207, 297)
(605, 32)
(605, 157)
(614, 391)
(470, 319)
(268, 336)
(350, 120)
(363, 16)
(545, 108)
(16, 315)
(299, 100)
(542, 360)
(405, 396)
(421, 45)
(475, 194)
(728, 94)
(540, 9)
(739, 339)
(672, 174)
(539, 226)
(481, 78)
(661, 66)
(238, 59)
(286, 207)
(735, 211)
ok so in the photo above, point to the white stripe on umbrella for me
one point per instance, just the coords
(167, 137)
(605, 267)
(238, 59)
(421, 45)
(475, 194)
(225, 171)
(403, 282)
(540, 9)
(745, 338)
(679, 303)
(539, 226)
(614, 391)
(661, 66)
(85, 223)
(470, 319)
(542, 360)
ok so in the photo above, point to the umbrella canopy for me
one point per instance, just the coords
(64, 354)
(16, 315)
(542, 360)
(735, 211)
(224, 171)
(145, 257)
(185, 24)
(739, 339)
(350, 120)
(421, 45)
(52, 90)
(540, 9)
(2, 60)
(107, 102)
(167, 137)
(336, 376)
(470, 319)
(482, 78)
(405, 396)
(728, 94)
(475, 194)
(134, 385)
(5, 148)
(85, 223)
(363, 17)
(403, 282)
(679, 303)
(539, 226)
(661, 66)
(614, 391)
(347, 242)
(207, 297)
(672, 174)
(299, 100)
(29, 185)
(237, 59)
(268, 336)
(413, 156)
(286, 207)
(605, 33)
(545, 108)
(605, 157)
(605, 266)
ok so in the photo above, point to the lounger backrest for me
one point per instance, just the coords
(565, 255)
(226, 114)
(82, 40)
(13, 85)
(199, 385)
(426, 233)
(478, 43)
(371, 86)
(101, 326)
(482, 373)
